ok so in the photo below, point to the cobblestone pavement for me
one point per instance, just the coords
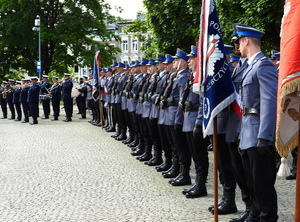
(57, 171)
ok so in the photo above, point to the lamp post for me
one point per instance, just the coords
(37, 27)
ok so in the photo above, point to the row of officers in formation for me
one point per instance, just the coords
(151, 107)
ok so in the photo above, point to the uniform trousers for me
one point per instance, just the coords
(198, 150)
(145, 124)
(238, 170)
(46, 107)
(128, 123)
(34, 111)
(55, 107)
(226, 175)
(164, 141)
(260, 173)
(170, 132)
(68, 104)
(12, 110)
(25, 107)
(120, 116)
(184, 154)
(153, 130)
(18, 110)
(4, 108)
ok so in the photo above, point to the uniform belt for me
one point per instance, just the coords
(191, 108)
(250, 110)
(172, 104)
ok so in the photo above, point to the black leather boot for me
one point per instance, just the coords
(118, 133)
(135, 142)
(245, 214)
(164, 166)
(122, 136)
(185, 191)
(156, 160)
(199, 190)
(183, 178)
(228, 205)
(130, 139)
(211, 207)
(140, 149)
(145, 157)
(172, 172)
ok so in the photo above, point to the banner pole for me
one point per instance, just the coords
(297, 198)
(215, 149)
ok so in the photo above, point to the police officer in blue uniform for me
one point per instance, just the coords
(125, 99)
(55, 92)
(192, 106)
(164, 63)
(66, 97)
(232, 128)
(45, 100)
(143, 109)
(33, 99)
(226, 172)
(113, 110)
(137, 88)
(137, 144)
(118, 101)
(3, 101)
(16, 100)
(108, 88)
(9, 98)
(152, 122)
(174, 118)
(258, 95)
(23, 99)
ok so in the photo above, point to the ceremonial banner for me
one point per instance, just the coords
(213, 74)
(96, 71)
(288, 99)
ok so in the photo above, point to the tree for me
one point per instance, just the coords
(175, 23)
(68, 28)
(264, 15)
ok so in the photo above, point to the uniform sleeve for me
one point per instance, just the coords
(268, 79)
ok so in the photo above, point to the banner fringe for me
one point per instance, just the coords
(288, 88)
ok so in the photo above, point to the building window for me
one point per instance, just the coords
(124, 45)
(134, 45)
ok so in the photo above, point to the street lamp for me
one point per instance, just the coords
(37, 27)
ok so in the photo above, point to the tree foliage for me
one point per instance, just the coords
(175, 23)
(264, 15)
(68, 28)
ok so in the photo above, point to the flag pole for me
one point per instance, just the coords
(215, 149)
(297, 199)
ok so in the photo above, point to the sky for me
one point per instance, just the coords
(130, 8)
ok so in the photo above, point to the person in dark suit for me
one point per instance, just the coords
(3, 101)
(67, 98)
(16, 100)
(33, 99)
(81, 98)
(45, 100)
(55, 92)
(23, 99)
(258, 96)
(9, 98)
